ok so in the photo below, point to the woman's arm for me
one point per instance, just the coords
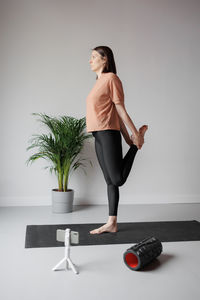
(126, 119)
(136, 137)
(125, 132)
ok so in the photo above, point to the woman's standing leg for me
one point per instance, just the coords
(113, 199)
(112, 190)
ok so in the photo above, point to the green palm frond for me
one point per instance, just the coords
(61, 146)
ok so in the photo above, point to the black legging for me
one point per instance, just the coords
(108, 146)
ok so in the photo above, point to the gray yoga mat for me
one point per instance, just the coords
(166, 231)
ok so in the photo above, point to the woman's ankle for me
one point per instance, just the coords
(112, 220)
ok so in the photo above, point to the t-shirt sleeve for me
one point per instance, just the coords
(116, 91)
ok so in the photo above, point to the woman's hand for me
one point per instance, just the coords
(138, 140)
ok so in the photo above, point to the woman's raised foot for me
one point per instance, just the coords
(143, 129)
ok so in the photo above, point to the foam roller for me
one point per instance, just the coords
(142, 253)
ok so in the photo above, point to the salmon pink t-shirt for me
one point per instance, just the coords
(101, 113)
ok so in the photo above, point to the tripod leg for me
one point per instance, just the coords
(72, 266)
(59, 264)
(67, 265)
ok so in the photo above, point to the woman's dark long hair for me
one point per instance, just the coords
(106, 52)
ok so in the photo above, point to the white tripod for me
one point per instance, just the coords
(67, 254)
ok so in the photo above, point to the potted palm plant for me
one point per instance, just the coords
(61, 147)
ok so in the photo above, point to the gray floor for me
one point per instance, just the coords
(27, 273)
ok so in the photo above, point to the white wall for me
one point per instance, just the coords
(45, 68)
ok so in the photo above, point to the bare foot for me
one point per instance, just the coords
(108, 227)
(139, 140)
(143, 129)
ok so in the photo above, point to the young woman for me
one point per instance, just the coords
(105, 118)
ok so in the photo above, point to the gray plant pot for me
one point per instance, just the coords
(62, 202)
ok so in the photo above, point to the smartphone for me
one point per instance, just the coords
(74, 236)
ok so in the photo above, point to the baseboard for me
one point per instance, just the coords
(127, 199)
